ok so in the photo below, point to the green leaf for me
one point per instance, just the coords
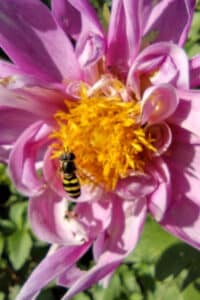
(177, 258)
(105, 15)
(13, 291)
(19, 247)
(193, 44)
(194, 31)
(7, 226)
(18, 213)
(1, 243)
(192, 291)
(2, 296)
(5, 276)
(114, 290)
(128, 280)
(167, 290)
(153, 241)
(81, 296)
(136, 297)
(46, 295)
(4, 179)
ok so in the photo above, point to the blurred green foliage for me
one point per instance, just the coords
(193, 43)
(161, 267)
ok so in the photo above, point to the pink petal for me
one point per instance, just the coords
(22, 162)
(76, 16)
(41, 101)
(195, 71)
(107, 264)
(160, 63)
(32, 39)
(136, 185)
(52, 266)
(183, 162)
(18, 81)
(8, 69)
(10, 131)
(90, 49)
(125, 230)
(160, 199)
(187, 112)
(79, 19)
(68, 278)
(124, 34)
(47, 216)
(183, 220)
(94, 216)
(160, 14)
(158, 103)
(162, 137)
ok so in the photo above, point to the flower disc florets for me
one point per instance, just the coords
(105, 133)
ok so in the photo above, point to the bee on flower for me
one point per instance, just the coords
(124, 102)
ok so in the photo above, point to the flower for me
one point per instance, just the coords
(122, 103)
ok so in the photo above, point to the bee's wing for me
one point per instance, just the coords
(85, 178)
(53, 176)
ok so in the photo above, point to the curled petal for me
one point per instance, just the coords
(90, 49)
(158, 64)
(23, 158)
(76, 17)
(160, 14)
(195, 71)
(47, 213)
(79, 19)
(159, 200)
(158, 103)
(161, 135)
(73, 89)
(33, 40)
(50, 268)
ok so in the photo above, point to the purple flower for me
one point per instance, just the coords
(122, 103)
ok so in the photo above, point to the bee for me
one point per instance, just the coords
(70, 181)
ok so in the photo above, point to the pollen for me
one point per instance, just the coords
(104, 132)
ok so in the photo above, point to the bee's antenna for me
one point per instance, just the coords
(66, 149)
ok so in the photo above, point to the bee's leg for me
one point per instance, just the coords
(70, 213)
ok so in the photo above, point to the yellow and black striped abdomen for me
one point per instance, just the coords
(71, 185)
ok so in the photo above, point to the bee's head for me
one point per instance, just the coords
(67, 156)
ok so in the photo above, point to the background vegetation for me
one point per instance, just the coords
(161, 267)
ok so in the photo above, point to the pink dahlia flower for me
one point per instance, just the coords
(122, 103)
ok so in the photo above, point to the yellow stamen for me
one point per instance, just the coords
(105, 134)
(5, 81)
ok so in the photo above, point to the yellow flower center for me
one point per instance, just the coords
(104, 133)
